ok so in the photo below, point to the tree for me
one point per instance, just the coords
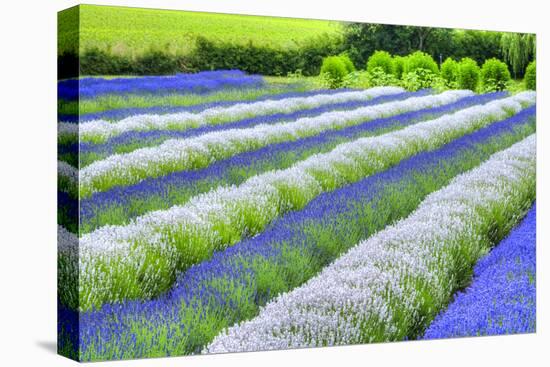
(477, 45)
(518, 50)
(362, 39)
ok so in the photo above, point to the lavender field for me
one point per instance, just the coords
(222, 212)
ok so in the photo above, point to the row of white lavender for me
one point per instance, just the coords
(100, 130)
(181, 154)
(217, 219)
(377, 290)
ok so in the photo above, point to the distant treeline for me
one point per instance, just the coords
(516, 49)
(359, 41)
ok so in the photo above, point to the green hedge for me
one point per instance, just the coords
(209, 55)
(97, 62)
(266, 60)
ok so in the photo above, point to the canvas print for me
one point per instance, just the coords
(234, 183)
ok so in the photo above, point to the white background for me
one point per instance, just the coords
(28, 181)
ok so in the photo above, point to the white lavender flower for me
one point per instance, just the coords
(181, 154)
(357, 297)
(263, 197)
(102, 129)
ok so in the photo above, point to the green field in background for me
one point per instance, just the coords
(132, 31)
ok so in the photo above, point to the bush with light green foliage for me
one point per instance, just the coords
(420, 79)
(530, 77)
(468, 74)
(449, 72)
(398, 66)
(333, 70)
(494, 75)
(420, 60)
(356, 79)
(350, 67)
(380, 59)
(377, 77)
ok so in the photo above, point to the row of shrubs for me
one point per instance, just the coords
(419, 70)
(206, 55)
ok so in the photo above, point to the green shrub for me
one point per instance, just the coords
(356, 79)
(350, 68)
(530, 77)
(419, 79)
(449, 72)
(334, 69)
(398, 66)
(380, 59)
(378, 77)
(515, 86)
(468, 74)
(420, 60)
(439, 84)
(325, 81)
(494, 75)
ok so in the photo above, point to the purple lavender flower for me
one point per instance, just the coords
(207, 81)
(222, 171)
(121, 113)
(502, 296)
(227, 288)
